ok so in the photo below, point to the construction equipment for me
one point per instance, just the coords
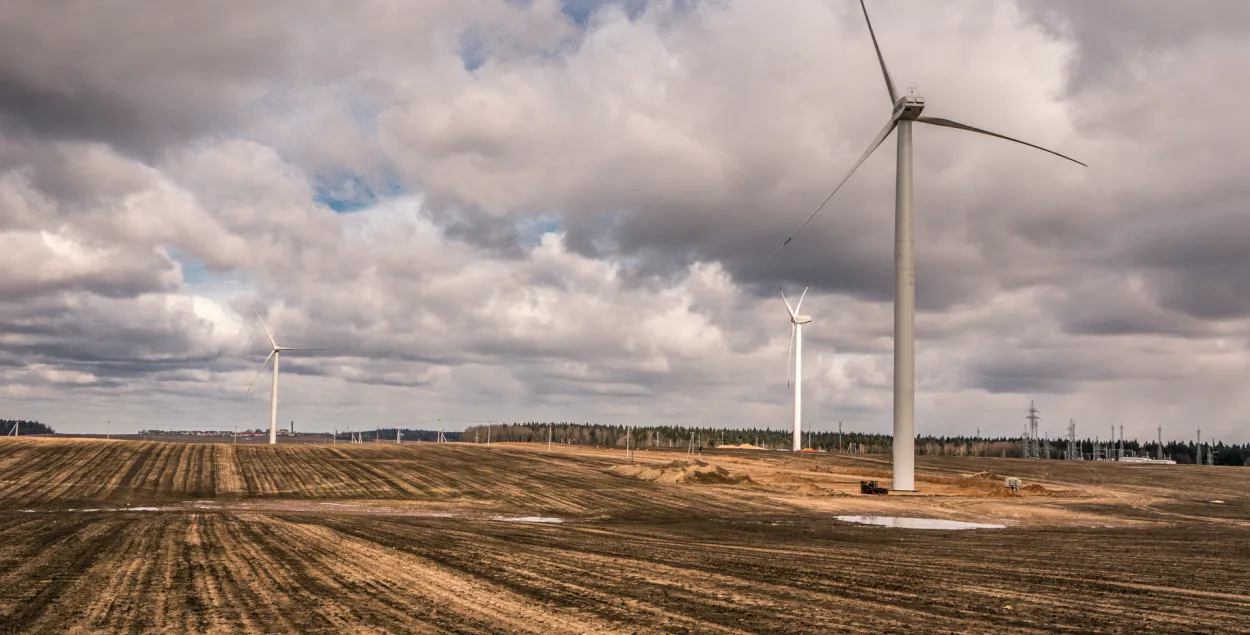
(870, 487)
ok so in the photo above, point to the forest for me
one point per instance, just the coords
(848, 441)
(23, 427)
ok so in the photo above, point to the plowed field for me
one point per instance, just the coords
(127, 536)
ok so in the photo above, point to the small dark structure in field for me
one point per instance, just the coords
(870, 487)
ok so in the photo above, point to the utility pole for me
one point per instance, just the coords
(1121, 439)
(1160, 443)
(549, 426)
(1199, 458)
(839, 437)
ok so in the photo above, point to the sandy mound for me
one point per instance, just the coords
(740, 446)
(994, 485)
(683, 472)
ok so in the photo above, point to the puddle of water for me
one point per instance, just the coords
(916, 523)
(530, 519)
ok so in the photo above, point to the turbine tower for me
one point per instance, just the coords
(796, 347)
(274, 354)
(906, 109)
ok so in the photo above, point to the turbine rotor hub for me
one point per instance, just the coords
(909, 107)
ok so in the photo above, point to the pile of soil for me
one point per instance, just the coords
(993, 485)
(697, 472)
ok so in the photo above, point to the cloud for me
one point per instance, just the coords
(493, 209)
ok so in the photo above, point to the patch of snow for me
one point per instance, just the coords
(903, 522)
(529, 519)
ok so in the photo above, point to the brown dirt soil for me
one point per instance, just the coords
(128, 536)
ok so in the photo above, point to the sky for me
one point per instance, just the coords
(544, 210)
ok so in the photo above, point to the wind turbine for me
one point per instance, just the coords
(273, 396)
(906, 109)
(796, 347)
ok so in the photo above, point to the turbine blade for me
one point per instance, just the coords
(789, 355)
(947, 123)
(885, 132)
(889, 83)
(788, 307)
(293, 348)
(262, 325)
(800, 304)
(258, 372)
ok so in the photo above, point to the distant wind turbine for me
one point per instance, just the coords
(273, 396)
(906, 110)
(796, 347)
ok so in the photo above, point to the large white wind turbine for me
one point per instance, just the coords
(906, 110)
(796, 347)
(274, 354)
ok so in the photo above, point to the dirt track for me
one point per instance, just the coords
(415, 539)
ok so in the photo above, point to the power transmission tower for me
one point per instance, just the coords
(1160, 457)
(1032, 450)
(839, 437)
(1121, 439)
(1074, 451)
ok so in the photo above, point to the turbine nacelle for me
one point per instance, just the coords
(801, 319)
(908, 107)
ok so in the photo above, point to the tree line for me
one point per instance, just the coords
(24, 427)
(645, 437)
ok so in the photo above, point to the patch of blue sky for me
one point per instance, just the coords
(473, 51)
(581, 11)
(475, 48)
(203, 280)
(531, 229)
(351, 192)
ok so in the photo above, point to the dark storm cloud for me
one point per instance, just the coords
(133, 74)
(1112, 35)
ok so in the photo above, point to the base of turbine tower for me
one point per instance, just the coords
(904, 491)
